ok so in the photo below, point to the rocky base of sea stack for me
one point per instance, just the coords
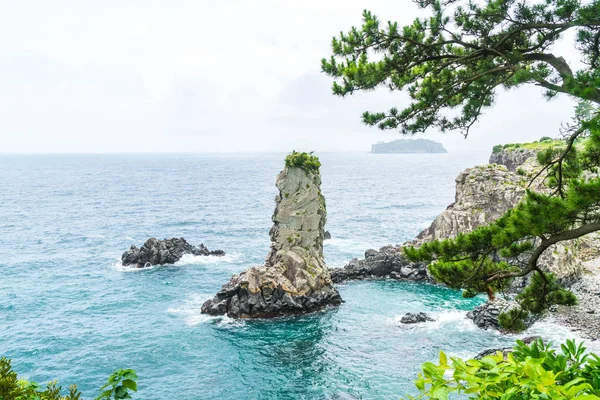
(258, 293)
(387, 262)
(166, 251)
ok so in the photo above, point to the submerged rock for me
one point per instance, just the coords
(413, 318)
(166, 251)
(294, 279)
(387, 262)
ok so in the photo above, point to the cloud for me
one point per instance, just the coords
(193, 76)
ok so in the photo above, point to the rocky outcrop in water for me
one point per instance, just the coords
(415, 318)
(166, 251)
(387, 262)
(294, 279)
(486, 315)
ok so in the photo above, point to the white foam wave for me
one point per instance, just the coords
(190, 311)
(550, 330)
(118, 266)
(457, 318)
(190, 259)
(187, 259)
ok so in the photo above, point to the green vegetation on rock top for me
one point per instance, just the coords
(544, 143)
(306, 161)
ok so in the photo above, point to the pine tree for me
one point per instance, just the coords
(452, 65)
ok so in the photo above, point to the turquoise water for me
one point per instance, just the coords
(69, 311)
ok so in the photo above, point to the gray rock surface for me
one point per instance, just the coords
(484, 193)
(585, 316)
(512, 158)
(387, 262)
(486, 315)
(166, 251)
(414, 318)
(294, 278)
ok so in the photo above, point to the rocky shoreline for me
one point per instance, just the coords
(584, 317)
(483, 194)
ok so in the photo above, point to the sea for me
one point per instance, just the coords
(70, 311)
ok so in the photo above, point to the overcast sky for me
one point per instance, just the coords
(207, 76)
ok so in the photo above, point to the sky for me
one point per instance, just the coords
(197, 76)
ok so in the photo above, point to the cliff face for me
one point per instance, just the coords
(512, 158)
(483, 194)
(294, 278)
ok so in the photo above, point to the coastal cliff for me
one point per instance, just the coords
(483, 194)
(294, 278)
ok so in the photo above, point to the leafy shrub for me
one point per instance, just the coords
(13, 388)
(513, 320)
(534, 371)
(303, 160)
(497, 148)
(521, 171)
(118, 385)
(546, 139)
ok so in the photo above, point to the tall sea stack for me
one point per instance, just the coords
(294, 279)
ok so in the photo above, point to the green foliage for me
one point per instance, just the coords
(487, 259)
(306, 161)
(497, 148)
(521, 171)
(545, 139)
(513, 320)
(533, 371)
(119, 384)
(13, 388)
(452, 62)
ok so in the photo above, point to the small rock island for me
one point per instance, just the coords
(408, 146)
(166, 251)
(294, 278)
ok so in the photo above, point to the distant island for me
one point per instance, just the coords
(405, 146)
